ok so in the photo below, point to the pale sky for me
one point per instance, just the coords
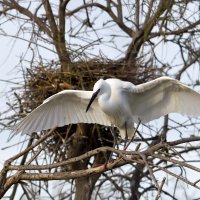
(10, 52)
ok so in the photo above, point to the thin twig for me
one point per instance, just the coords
(135, 131)
(31, 147)
(160, 189)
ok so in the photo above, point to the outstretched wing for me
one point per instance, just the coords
(163, 96)
(63, 108)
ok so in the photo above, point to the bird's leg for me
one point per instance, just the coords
(126, 135)
(125, 147)
(114, 136)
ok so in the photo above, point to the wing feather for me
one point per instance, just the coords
(163, 96)
(63, 108)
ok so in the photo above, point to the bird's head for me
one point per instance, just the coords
(98, 89)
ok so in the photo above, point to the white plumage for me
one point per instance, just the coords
(114, 102)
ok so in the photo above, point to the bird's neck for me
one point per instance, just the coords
(105, 92)
(104, 98)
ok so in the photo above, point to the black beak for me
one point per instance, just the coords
(92, 99)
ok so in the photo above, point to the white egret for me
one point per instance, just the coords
(113, 102)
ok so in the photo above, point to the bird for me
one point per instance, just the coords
(113, 102)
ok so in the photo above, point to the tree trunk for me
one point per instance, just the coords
(135, 182)
(85, 139)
